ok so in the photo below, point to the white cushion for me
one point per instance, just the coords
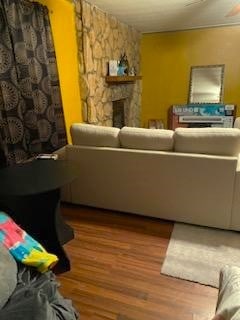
(215, 141)
(237, 123)
(97, 136)
(146, 139)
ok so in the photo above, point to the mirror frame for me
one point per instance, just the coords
(190, 93)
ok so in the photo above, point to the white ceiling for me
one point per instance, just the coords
(170, 15)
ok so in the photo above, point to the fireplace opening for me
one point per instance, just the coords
(118, 114)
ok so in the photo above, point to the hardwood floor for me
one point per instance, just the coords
(116, 260)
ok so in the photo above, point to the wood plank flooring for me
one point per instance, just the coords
(116, 261)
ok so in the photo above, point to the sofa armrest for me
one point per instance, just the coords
(66, 189)
(61, 153)
(235, 217)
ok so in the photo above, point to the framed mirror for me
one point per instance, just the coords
(206, 84)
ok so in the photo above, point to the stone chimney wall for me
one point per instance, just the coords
(101, 37)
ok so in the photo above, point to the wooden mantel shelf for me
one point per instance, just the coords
(122, 79)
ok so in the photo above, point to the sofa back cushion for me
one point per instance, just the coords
(215, 141)
(146, 139)
(96, 136)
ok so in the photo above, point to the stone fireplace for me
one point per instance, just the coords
(118, 118)
(101, 37)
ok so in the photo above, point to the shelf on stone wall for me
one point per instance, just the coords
(122, 79)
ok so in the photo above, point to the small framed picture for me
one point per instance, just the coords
(113, 68)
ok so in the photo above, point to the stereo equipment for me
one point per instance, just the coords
(201, 115)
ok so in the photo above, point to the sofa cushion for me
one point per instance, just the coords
(97, 136)
(228, 304)
(146, 139)
(8, 275)
(215, 141)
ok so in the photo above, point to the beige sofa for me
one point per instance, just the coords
(190, 175)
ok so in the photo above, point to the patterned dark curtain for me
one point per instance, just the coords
(31, 113)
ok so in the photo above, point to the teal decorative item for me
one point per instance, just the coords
(120, 71)
(123, 65)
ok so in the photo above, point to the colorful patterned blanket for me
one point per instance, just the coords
(23, 247)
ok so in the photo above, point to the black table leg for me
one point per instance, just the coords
(39, 215)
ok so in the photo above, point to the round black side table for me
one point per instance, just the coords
(30, 194)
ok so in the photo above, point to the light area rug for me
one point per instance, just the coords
(198, 253)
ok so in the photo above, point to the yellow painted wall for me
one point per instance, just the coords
(167, 58)
(62, 16)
